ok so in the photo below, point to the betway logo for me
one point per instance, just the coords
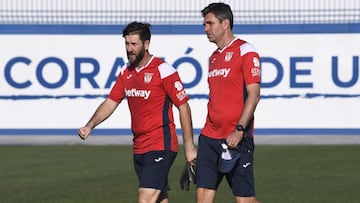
(219, 72)
(137, 93)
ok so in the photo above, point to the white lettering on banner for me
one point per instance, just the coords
(137, 93)
(219, 72)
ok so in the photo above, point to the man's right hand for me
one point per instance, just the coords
(84, 132)
(190, 154)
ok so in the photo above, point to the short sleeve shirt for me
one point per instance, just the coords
(230, 70)
(151, 92)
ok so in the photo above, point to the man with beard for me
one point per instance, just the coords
(151, 87)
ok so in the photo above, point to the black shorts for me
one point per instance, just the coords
(240, 178)
(153, 168)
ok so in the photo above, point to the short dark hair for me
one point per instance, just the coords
(143, 29)
(221, 11)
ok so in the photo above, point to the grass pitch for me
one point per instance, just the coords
(104, 174)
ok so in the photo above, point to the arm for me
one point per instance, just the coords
(105, 109)
(187, 128)
(253, 97)
(253, 91)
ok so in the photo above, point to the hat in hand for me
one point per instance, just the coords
(228, 158)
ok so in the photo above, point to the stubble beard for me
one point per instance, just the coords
(138, 58)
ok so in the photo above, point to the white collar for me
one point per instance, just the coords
(138, 69)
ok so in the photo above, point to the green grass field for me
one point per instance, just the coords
(102, 174)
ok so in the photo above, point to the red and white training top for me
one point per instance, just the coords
(231, 69)
(151, 92)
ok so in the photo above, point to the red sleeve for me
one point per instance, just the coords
(117, 93)
(251, 68)
(175, 89)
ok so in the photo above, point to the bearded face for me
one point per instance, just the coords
(135, 49)
(136, 56)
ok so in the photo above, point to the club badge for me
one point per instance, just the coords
(147, 77)
(228, 56)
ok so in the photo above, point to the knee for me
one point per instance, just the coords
(204, 195)
(148, 195)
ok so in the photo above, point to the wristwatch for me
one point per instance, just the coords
(240, 128)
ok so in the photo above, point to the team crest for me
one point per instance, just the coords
(147, 77)
(228, 56)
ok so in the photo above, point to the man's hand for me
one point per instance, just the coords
(234, 138)
(84, 132)
(190, 153)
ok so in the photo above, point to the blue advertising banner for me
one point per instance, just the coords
(53, 77)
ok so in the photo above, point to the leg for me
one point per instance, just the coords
(163, 198)
(246, 200)
(241, 179)
(204, 195)
(152, 170)
(148, 195)
(208, 177)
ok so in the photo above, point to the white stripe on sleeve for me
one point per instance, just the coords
(246, 48)
(165, 70)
